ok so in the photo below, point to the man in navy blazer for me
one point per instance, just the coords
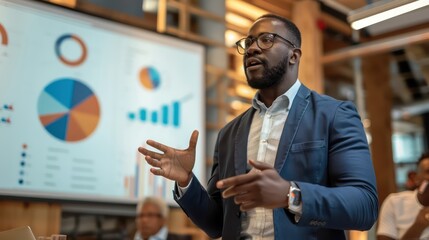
(296, 165)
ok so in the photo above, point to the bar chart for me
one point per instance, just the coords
(144, 183)
(168, 114)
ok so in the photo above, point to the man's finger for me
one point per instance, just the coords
(243, 197)
(147, 152)
(248, 206)
(157, 145)
(228, 192)
(260, 165)
(236, 180)
(243, 190)
(157, 171)
(153, 162)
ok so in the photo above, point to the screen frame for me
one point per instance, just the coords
(100, 21)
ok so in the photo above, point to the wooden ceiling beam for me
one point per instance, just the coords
(290, 2)
(337, 24)
(398, 32)
(244, 9)
(241, 14)
(236, 28)
(376, 47)
(343, 71)
(353, 4)
(278, 7)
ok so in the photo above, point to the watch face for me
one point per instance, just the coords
(296, 197)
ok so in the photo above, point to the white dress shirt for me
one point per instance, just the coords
(264, 137)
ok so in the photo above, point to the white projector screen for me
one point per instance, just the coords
(80, 94)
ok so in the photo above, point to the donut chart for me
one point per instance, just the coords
(3, 35)
(64, 59)
(150, 78)
(68, 110)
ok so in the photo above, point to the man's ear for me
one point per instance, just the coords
(296, 56)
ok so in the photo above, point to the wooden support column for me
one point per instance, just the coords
(376, 77)
(43, 218)
(305, 14)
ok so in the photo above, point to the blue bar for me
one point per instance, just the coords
(176, 111)
(164, 110)
(154, 117)
(143, 114)
(131, 116)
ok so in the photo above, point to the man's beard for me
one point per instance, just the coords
(270, 76)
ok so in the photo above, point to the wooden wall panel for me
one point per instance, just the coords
(43, 218)
(305, 15)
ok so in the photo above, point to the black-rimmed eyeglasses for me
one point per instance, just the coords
(263, 40)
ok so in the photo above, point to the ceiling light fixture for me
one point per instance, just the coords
(381, 11)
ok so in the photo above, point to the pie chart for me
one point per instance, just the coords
(68, 110)
(149, 78)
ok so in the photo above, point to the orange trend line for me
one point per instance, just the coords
(4, 40)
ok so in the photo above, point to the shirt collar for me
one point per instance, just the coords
(278, 104)
(160, 235)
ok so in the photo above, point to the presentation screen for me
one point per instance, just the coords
(80, 94)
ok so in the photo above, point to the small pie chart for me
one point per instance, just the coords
(68, 110)
(150, 78)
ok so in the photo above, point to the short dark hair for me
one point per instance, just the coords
(289, 25)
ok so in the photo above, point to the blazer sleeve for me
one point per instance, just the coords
(350, 200)
(203, 207)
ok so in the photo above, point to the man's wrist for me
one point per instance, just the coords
(287, 194)
(184, 184)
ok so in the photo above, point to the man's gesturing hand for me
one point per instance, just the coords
(174, 164)
(261, 187)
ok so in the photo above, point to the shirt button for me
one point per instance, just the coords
(264, 141)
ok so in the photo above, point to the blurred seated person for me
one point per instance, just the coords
(405, 215)
(411, 183)
(151, 221)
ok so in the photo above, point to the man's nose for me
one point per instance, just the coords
(253, 48)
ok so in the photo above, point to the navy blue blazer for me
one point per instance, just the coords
(323, 148)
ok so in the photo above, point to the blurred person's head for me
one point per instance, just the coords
(423, 168)
(411, 183)
(152, 215)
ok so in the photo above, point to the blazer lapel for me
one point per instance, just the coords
(240, 151)
(299, 106)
